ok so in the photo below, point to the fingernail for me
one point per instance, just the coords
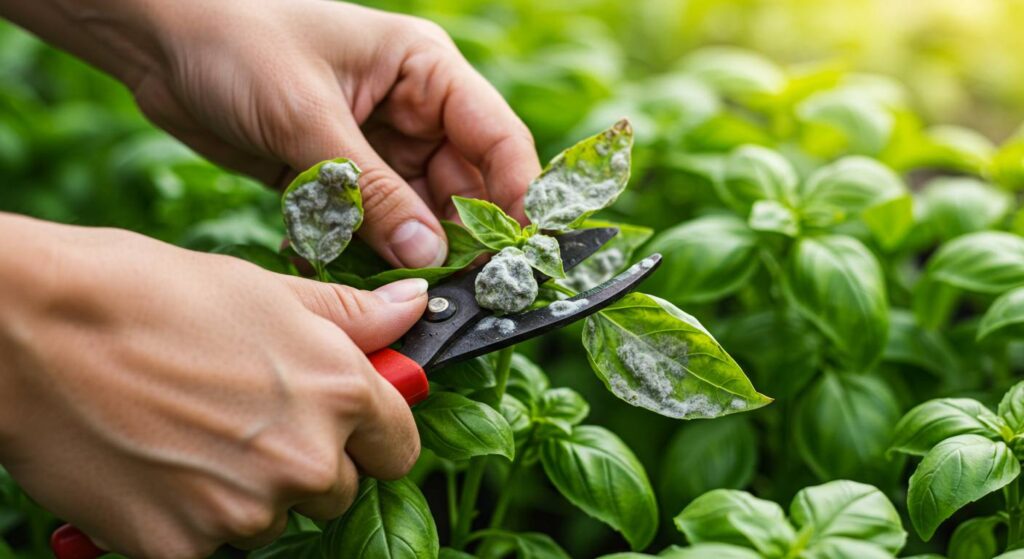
(402, 290)
(417, 246)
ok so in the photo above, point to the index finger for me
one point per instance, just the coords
(485, 130)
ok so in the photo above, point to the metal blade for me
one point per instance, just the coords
(425, 340)
(494, 333)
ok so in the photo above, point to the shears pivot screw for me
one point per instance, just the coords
(439, 308)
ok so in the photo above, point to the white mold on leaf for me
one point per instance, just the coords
(321, 215)
(506, 283)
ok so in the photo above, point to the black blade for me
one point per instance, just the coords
(494, 333)
(432, 333)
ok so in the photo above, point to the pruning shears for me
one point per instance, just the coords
(455, 328)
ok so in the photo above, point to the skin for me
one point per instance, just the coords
(167, 401)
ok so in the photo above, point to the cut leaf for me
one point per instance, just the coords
(322, 207)
(598, 473)
(655, 356)
(457, 428)
(581, 180)
(488, 223)
(389, 520)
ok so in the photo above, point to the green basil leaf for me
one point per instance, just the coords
(515, 413)
(699, 551)
(975, 538)
(1015, 554)
(473, 374)
(955, 472)
(526, 381)
(783, 350)
(735, 72)
(737, 518)
(890, 221)
(506, 284)
(598, 473)
(581, 180)
(653, 355)
(322, 207)
(986, 262)
(956, 206)
(770, 216)
(457, 428)
(909, 344)
(534, 545)
(934, 421)
(1011, 408)
(707, 455)
(865, 123)
(755, 173)
(851, 510)
(934, 302)
(488, 223)
(296, 546)
(260, 256)
(843, 425)
(561, 403)
(1005, 316)
(613, 257)
(837, 284)
(389, 519)
(463, 249)
(543, 254)
(5, 550)
(449, 553)
(844, 189)
(704, 260)
(845, 548)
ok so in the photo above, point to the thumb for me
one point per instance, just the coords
(398, 223)
(372, 319)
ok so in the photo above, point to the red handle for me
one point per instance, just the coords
(403, 373)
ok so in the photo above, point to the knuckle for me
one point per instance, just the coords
(349, 301)
(319, 476)
(427, 33)
(249, 520)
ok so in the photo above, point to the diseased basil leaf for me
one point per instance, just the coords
(581, 180)
(655, 356)
(613, 257)
(1011, 408)
(598, 473)
(975, 538)
(706, 455)
(543, 254)
(322, 207)
(847, 510)
(955, 472)
(737, 518)
(987, 262)
(837, 284)
(934, 421)
(843, 425)
(704, 260)
(956, 206)
(296, 546)
(457, 428)
(771, 216)
(506, 283)
(488, 223)
(846, 188)
(755, 173)
(389, 520)
(1005, 316)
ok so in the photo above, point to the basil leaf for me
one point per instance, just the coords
(543, 254)
(837, 284)
(534, 545)
(463, 249)
(755, 173)
(845, 548)
(598, 473)
(975, 538)
(1011, 408)
(506, 284)
(704, 260)
(955, 472)
(612, 258)
(890, 221)
(655, 356)
(449, 553)
(783, 350)
(457, 428)
(296, 546)
(473, 374)
(986, 262)
(934, 421)
(737, 518)
(581, 180)
(909, 344)
(706, 455)
(389, 519)
(1005, 316)
(526, 381)
(322, 207)
(1015, 554)
(851, 510)
(865, 123)
(735, 72)
(843, 425)
(488, 223)
(770, 216)
(846, 188)
(699, 551)
(956, 206)
(515, 413)
(561, 403)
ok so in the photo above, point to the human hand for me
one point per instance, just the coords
(166, 401)
(275, 87)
